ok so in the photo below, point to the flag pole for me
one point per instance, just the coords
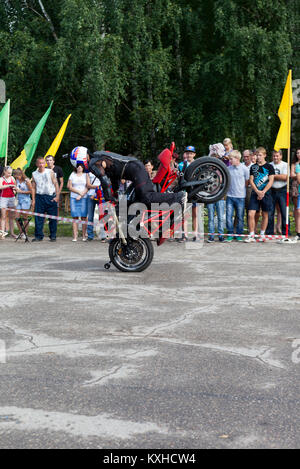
(286, 239)
(5, 160)
(288, 163)
(288, 195)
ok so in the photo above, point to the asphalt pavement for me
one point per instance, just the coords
(201, 350)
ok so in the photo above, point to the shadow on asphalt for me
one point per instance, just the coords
(79, 266)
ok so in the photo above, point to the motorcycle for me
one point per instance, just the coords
(205, 180)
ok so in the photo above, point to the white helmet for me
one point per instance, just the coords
(79, 155)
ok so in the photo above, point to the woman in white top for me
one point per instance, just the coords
(77, 185)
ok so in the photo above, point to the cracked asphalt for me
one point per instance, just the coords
(201, 350)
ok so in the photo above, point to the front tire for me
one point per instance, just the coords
(135, 256)
(204, 168)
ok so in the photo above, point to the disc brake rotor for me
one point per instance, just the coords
(131, 253)
(214, 181)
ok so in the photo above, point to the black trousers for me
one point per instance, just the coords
(144, 189)
(278, 196)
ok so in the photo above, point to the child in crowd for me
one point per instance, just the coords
(235, 200)
(24, 191)
(261, 180)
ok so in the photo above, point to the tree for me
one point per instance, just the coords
(241, 75)
(137, 74)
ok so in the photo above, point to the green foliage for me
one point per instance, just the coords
(137, 74)
(244, 72)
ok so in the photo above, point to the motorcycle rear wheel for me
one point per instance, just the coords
(214, 190)
(135, 256)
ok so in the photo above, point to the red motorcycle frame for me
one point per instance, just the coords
(206, 180)
(153, 221)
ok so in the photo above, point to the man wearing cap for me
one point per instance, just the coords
(188, 157)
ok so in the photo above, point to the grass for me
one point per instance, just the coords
(63, 229)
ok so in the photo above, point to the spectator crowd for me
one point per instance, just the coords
(258, 191)
(256, 197)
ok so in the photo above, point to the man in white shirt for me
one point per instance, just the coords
(278, 191)
(45, 196)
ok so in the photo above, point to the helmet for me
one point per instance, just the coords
(79, 155)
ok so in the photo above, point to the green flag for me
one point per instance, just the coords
(4, 124)
(24, 160)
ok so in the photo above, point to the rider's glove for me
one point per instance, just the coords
(112, 199)
(108, 197)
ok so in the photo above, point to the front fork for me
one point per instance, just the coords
(118, 229)
(118, 225)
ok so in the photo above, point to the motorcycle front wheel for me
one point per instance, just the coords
(212, 170)
(135, 256)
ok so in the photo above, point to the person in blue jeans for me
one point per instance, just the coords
(236, 196)
(278, 192)
(24, 190)
(45, 197)
(92, 184)
(235, 206)
(218, 207)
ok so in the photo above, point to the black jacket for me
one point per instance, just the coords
(115, 169)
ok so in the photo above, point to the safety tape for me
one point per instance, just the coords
(233, 235)
(52, 217)
(80, 222)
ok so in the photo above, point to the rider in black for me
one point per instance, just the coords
(117, 167)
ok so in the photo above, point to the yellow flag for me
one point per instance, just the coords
(20, 162)
(283, 139)
(57, 141)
